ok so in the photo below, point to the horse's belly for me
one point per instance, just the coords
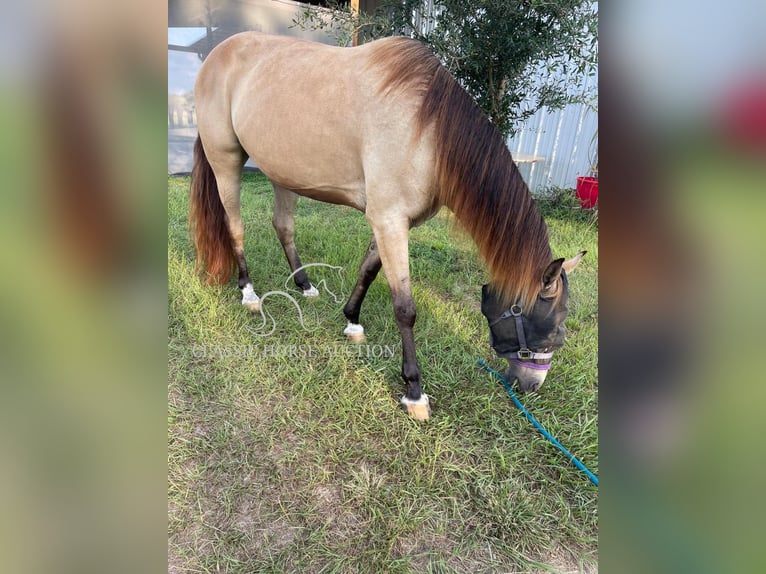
(339, 192)
(356, 200)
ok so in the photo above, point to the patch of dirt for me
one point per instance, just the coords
(566, 562)
(422, 547)
(187, 539)
(332, 511)
(246, 508)
(176, 564)
(261, 524)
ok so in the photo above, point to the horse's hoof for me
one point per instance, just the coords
(250, 299)
(354, 333)
(356, 338)
(420, 410)
(311, 292)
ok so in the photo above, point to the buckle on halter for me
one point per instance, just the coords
(525, 354)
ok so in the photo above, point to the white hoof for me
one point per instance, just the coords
(311, 292)
(420, 409)
(354, 332)
(250, 299)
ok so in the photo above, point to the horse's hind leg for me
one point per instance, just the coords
(367, 273)
(228, 175)
(284, 224)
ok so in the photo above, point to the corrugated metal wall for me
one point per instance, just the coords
(563, 139)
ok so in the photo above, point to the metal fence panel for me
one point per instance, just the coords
(563, 138)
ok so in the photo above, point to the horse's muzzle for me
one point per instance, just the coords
(530, 378)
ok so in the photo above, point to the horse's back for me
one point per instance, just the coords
(314, 118)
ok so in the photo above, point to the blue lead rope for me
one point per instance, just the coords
(593, 478)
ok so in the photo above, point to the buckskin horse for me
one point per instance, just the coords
(386, 129)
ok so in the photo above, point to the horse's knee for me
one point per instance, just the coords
(404, 311)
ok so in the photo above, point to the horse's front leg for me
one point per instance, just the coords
(394, 254)
(415, 401)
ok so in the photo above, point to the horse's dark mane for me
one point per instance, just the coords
(475, 175)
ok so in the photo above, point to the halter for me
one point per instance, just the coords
(524, 353)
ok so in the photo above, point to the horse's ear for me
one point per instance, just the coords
(570, 264)
(551, 275)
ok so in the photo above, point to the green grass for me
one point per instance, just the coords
(307, 464)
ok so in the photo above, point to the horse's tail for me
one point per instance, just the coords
(208, 222)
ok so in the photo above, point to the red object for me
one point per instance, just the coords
(743, 115)
(587, 191)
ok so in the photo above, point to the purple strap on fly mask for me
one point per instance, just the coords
(535, 366)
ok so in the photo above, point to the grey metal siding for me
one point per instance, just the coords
(562, 138)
